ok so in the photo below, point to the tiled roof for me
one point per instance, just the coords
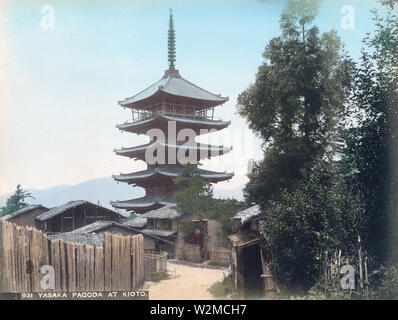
(142, 202)
(23, 211)
(166, 212)
(93, 227)
(170, 172)
(137, 222)
(178, 145)
(159, 116)
(69, 205)
(175, 85)
(99, 228)
(160, 233)
(92, 239)
(248, 214)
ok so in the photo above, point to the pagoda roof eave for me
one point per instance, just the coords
(175, 85)
(171, 173)
(129, 152)
(161, 95)
(142, 203)
(129, 126)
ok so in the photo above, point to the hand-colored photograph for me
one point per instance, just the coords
(199, 150)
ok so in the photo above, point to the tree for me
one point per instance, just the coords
(295, 103)
(194, 194)
(305, 224)
(16, 201)
(371, 152)
(295, 106)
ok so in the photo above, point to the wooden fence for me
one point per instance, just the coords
(189, 252)
(155, 261)
(219, 255)
(116, 266)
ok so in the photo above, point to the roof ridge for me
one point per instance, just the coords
(150, 86)
(217, 95)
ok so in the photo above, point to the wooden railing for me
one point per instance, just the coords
(173, 110)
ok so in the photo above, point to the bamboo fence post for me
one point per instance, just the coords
(360, 264)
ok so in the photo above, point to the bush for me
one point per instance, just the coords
(157, 277)
(307, 222)
(222, 288)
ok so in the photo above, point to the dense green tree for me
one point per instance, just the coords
(296, 106)
(371, 154)
(16, 201)
(308, 222)
(195, 196)
(295, 103)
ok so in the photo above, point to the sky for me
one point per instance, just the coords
(64, 64)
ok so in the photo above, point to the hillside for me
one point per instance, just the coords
(99, 190)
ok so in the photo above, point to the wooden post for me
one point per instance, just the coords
(73, 219)
(360, 264)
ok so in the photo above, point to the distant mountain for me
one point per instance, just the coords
(100, 190)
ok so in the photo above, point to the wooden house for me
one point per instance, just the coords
(26, 216)
(163, 223)
(67, 217)
(73, 215)
(250, 265)
(93, 234)
(200, 239)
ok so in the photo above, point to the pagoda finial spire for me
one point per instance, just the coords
(171, 43)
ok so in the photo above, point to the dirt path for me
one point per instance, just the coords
(191, 283)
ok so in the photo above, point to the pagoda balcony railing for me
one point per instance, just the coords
(171, 109)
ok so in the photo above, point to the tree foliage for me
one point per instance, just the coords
(296, 105)
(195, 196)
(295, 102)
(371, 153)
(310, 104)
(308, 222)
(16, 201)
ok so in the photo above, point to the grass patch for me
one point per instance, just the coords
(217, 264)
(222, 288)
(157, 277)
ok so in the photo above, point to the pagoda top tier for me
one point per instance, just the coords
(173, 88)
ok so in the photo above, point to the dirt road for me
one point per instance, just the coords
(190, 283)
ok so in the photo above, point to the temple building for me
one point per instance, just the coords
(174, 107)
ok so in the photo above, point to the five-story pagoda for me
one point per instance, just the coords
(169, 107)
